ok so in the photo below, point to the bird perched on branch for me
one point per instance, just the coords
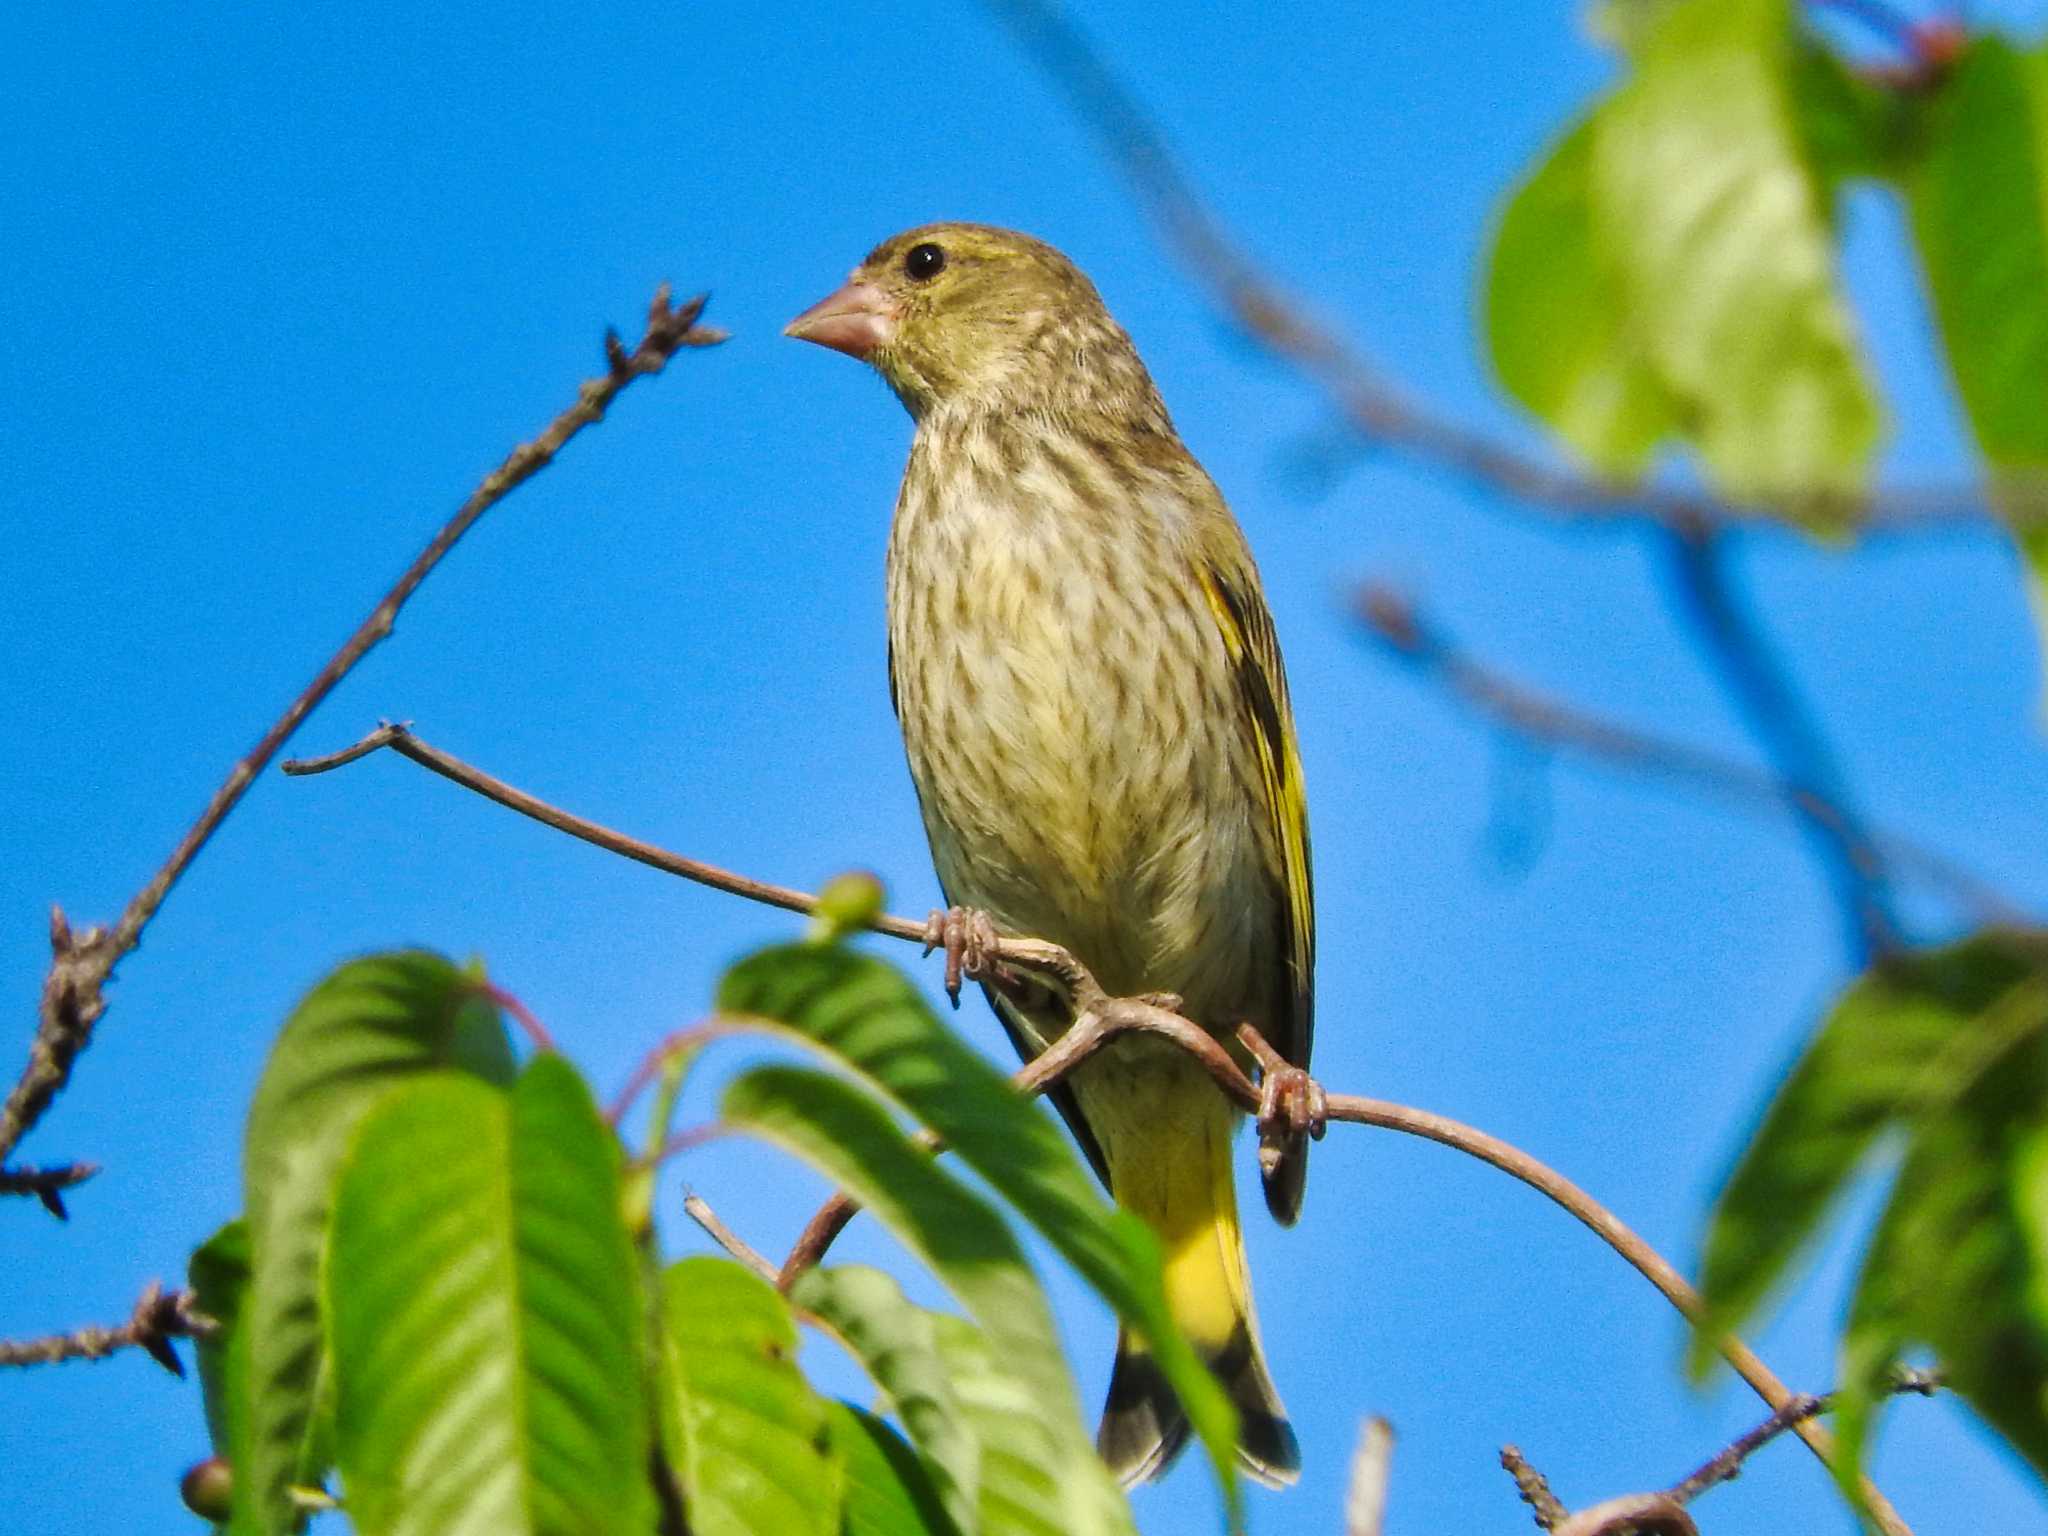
(1098, 726)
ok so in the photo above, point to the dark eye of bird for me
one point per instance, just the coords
(925, 262)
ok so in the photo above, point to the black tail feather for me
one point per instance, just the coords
(1143, 1427)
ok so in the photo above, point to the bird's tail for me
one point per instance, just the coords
(1184, 1190)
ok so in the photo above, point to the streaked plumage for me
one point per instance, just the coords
(1097, 723)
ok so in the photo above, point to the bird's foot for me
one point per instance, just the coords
(1291, 1105)
(968, 936)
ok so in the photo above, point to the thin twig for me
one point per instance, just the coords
(1534, 1488)
(1382, 414)
(699, 1210)
(1365, 1500)
(46, 1184)
(159, 1317)
(1098, 1018)
(535, 1031)
(1391, 619)
(1727, 1463)
(81, 963)
(400, 739)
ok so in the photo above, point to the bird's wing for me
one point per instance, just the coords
(1232, 588)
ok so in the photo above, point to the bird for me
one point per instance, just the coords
(1098, 728)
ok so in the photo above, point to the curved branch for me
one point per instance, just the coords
(1099, 1018)
(81, 963)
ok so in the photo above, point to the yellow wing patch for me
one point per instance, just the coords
(1248, 640)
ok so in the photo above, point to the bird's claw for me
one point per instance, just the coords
(969, 938)
(1291, 1105)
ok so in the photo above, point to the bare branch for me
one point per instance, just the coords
(72, 1000)
(1534, 1488)
(698, 1209)
(1365, 1501)
(1727, 1463)
(1390, 618)
(1099, 1018)
(400, 739)
(1384, 415)
(46, 1184)
(159, 1317)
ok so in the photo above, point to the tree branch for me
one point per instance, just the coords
(1728, 1462)
(698, 1209)
(159, 1317)
(1386, 416)
(1099, 1018)
(81, 963)
(1389, 618)
(46, 1184)
(1664, 1514)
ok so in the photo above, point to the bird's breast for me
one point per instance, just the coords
(1068, 712)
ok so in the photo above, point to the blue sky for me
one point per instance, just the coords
(279, 286)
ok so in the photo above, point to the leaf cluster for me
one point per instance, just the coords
(449, 1291)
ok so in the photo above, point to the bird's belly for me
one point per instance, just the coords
(1075, 762)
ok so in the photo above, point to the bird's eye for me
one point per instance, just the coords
(925, 262)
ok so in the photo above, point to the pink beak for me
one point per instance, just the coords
(855, 320)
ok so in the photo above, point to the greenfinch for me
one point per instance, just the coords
(1098, 727)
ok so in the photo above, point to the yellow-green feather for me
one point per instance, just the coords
(1098, 729)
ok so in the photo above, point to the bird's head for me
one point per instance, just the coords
(967, 314)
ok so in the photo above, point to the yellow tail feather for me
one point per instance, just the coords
(1166, 1135)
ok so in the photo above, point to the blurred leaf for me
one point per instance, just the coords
(749, 1442)
(1668, 268)
(219, 1275)
(1851, 127)
(1949, 1049)
(1904, 1037)
(486, 1319)
(1709, 205)
(1560, 338)
(1979, 198)
(1957, 1265)
(847, 1136)
(372, 1024)
(1022, 1488)
(868, 1013)
(888, 1491)
(893, 1339)
(1623, 24)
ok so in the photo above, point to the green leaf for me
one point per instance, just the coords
(847, 1136)
(371, 1025)
(747, 1436)
(1710, 208)
(1979, 199)
(1948, 1052)
(1956, 1265)
(1851, 128)
(486, 1316)
(887, 1490)
(868, 1014)
(1561, 340)
(1906, 1038)
(219, 1276)
(894, 1341)
(1021, 1488)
